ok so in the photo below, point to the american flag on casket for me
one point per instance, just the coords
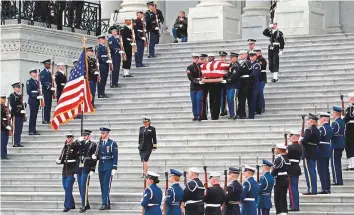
(215, 69)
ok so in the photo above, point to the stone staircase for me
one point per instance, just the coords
(314, 72)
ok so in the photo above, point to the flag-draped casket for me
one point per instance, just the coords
(213, 72)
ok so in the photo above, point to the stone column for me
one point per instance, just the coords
(165, 34)
(129, 8)
(300, 17)
(332, 16)
(255, 19)
(214, 20)
(108, 7)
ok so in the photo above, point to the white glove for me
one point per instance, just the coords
(200, 82)
(75, 176)
(109, 61)
(342, 117)
(91, 173)
(94, 157)
(8, 128)
(280, 52)
(180, 25)
(300, 139)
(98, 64)
(52, 89)
(80, 139)
(58, 161)
(270, 25)
(114, 171)
(224, 81)
(39, 97)
(121, 52)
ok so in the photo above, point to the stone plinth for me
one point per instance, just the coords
(255, 19)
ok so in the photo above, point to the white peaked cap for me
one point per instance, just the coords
(194, 169)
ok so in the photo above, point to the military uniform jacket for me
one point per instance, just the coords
(152, 197)
(69, 157)
(295, 152)
(310, 142)
(233, 77)
(245, 71)
(250, 190)
(126, 37)
(263, 63)
(182, 29)
(114, 45)
(256, 72)
(86, 150)
(46, 79)
(266, 184)
(107, 153)
(139, 30)
(193, 193)
(92, 68)
(281, 166)
(4, 122)
(194, 74)
(214, 196)
(174, 196)
(60, 80)
(147, 138)
(32, 91)
(349, 115)
(337, 140)
(16, 105)
(275, 37)
(102, 54)
(233, 193)
(325, 148)
(151, 21)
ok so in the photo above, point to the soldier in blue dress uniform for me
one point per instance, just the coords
(5, 127)
(140, 38)
(324, 153)
(250, 192)
(33, 101)
(107, 154)
(194, 75)
(266, 183)
(47, 90)
(255, 76)
(338, 145)
(102, 56)
(193, 194)
(233, 79)
(310, 143)
(233, 193)
(223, 97)
(152, 27)
(86, 167)
(262, 82)
(174, 195)
(152, 195)
(17, 113)
(114, 46)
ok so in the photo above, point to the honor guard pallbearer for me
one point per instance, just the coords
(174, 195)
(140, 38)
(262, 82)
(266, 183)
(206, 88)
(60, 79)
(147, 142)
(152, 27)
(251, 46)
(107, 156)
(214, 196)
(223, 111)
(349, 131)
(152, 195)
(32, 87)
(93, 73)
(17, 113)
(6, 129)
(127, 38)
(233, 193)
(232, 85)
(324, 153)
(194, 75)
(245, 71)
(250, 192)
(102, 58)
(338, 145)
(47, 90)
(114, 46)
(255, 77)
(193, 194)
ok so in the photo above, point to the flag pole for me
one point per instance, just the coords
(86, 75)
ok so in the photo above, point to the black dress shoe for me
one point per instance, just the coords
(275, 80)
(335, 184)
(19, 145)
(66, 209)
(31, 133)
(129, 76)
(114, 86)
(309, 194)
(323, 192)
(142, 65)
(105, 207)
(5, 158)
(263, 110)
(100, 96)
(83, 209)
(195, 119)
(105, 96)
(45, 122)
(36, 133)
(203, 118)
(175, 41)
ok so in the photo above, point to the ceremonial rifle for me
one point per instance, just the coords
(342, 101)
(109, 61)
(185, 177)
(303, 125)
(133, 37)
(24, 104)
(7, 109)
(143, 210)
(124, 56)
(257, 166)
(273, 155)
(40, 93)
(53, 83)
(225, 182)
(166, 188)
(285, 139)
(205, 174)
(239, 163)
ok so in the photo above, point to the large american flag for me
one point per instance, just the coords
(214, 69)
(76, 96)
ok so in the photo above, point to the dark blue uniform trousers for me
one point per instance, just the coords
(105, 182)
(47, 95)
(253, 101)
(140, 52)
(83, 179)
(336, 163)
(263, 211)
(104, 75)
(33, 117)
(249, 208)
(223, 98)
(197, 102)
(68, 183)
(294, 192)
(4, 141)
(323, 172)
(234, 211)
(116, 68)
(153, 41)
(232, 94)
(310, 175)
(18, 129)
(93, 85)
(260, 96)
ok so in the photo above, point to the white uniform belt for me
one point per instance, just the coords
(325, 143)
(245, 76)
(33, 91)
(213, 205)
(294, 161)
(175, 204)
(69, 161)
(312, 144)
(282, 173)
(103, 55)
(106, 157)
(151, 205)
(276, 44)
(338, 135)
(234, 202)
(264, 71)
(249, 199)
(193, 201)
(265, 194)
(351, 121)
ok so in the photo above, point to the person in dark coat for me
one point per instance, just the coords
(60, 79)
(349, 131)
(214, 196)
(147, 142)
(233, 193)
(180, 27)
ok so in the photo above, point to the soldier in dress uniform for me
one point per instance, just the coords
(295, 152)
(245, 71)
(310, 143)
(93, 73)
(338, 145)
(250, 192)
(17, 113)
(33, 101)
(152, 27)
(147, 142)
(68, 157)
(107, 156)
(280, 173)
(233, 193)
(127, 38)
(140, 38)
(114, 46)
(194, 75)
(251, 46)
(60, 79)
(223, 96)
(204, 58)
(275, 48)
(5, 127)
(349, 131)
(214, 196)
(102, 58)
(232, 85)
(174, 195)
(152, 195)
(193, 194)
(324, 153)
(211, 57)
(255, 76)
(86, 167)
(262, 82)
(47, 90)
(266, 183)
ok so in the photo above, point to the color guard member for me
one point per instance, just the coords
(33, 101)
(338, 145)
(266, 183)
(193, 194)
(233, 193)
(152, 195)
(250, 192)
(174, 195)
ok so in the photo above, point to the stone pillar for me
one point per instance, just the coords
(300, 17)
(108, 7)
(332, 16)
(214, 20)
(255, 19)
(129, 8)
(165, 34)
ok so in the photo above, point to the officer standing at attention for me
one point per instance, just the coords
(349, 131)
(107, 154)
(194, 75)
(86, 167)
(102, 57)
(223, 111)
(33, 101)
(324, 153)
(233, 193)
(214, 196)
(17, 113)
(310, 142)
(47, 90)
(280, 173)
(295, 152)
(251, 45)
(193, 194)
(60, 79)
(114, 46)
(68, 157)
(338, 144)
(250, 192)
(140, 38)
(93, 74)
(152, 27)
(147, 142)
(152, 195)
(255, 76)
(174, 195)
(127, 37)
(262, 82)
(245, 71)
(5, 127)
(232, 85)
(266, 183)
